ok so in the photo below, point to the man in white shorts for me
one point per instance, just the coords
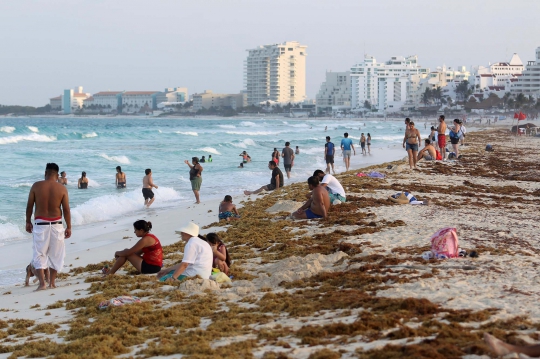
(50, 199)
(332, 185)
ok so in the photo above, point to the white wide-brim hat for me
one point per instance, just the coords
(191, 228)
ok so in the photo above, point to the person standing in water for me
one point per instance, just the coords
(363, 143)
(275, 156)
(51, 201)
(368, 143)
(297, 151)
(148, 183)
(120, 178)
(63, 179)
(83, 181)
(195, 171)
(288, 158)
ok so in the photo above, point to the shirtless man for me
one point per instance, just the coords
(227, 210)
(50, 199)
(441, 138)
(120, 178)
(147, 184)
(428, 152)
(318, 205)
(63, 179)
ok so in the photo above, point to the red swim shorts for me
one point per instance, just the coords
(441, 140)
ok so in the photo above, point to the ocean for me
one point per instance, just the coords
(98, 145)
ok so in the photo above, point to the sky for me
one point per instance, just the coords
(50, 45)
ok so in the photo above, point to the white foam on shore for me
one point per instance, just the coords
(248, 124)
(33, 128)
(227, 126)
(10, 231)
(119, 159)
(187, 133)
(18, 185)
(89, 135)
(32, 137)
(110, 207)
(7, 129)
(211, 150)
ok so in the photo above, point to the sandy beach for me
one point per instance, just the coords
(353, 286)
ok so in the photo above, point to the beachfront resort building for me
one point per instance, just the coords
(529, 82)
(56, 103)
(139, 101)
(383, 86)
(335, 93)
(497, 74)
(173, 95)
(208, 99)
(447, 78)
(73, 99)
(276, 73)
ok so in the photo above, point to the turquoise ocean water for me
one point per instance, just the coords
(97, 146)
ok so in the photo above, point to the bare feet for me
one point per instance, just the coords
(43, 287)
(497, 346)
(52, 285)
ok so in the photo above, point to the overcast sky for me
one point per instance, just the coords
(49, 45)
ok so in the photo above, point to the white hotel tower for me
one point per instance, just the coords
(529, 82)
(384, 85)
(276, 73)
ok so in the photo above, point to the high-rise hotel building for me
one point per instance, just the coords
(529, 82)
(276, 73)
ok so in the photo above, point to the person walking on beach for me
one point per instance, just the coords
(288, 158)
(412, 138)
(329, 152)
(368, 143)
(363, 143)
(346, 145)
(148, 184)
(441, 137)
(120, 178)
(50, 200)
(63, 179)
(275, 182)
(318, 205)
(146, 255)
(83, 181)
(195, 176)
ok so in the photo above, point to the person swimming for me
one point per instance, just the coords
(83, 181)
(203, 160)
(209, 158)
(120, 178)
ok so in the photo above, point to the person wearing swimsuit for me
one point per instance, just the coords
(63, 179)
(441, 138)
(146, 255)
(195, 177)
(363, 143)
(120, 178)
(83, 181)
(368, 143)
(412, 138)
(455, 135)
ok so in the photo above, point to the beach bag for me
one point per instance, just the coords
(454, 135)
(438, 155)
(402, 198)
(444, 243)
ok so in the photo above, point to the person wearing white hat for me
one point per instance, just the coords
(198, 257)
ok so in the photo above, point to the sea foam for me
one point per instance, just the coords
(89, 135)
(32, 137)
(187, 133)
(10, 231)
(33, 128)
(119, 159)
(211, 150)
(108, 207)
(244, 144)
(7, 129)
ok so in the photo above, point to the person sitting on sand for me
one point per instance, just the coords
(501, 348)
(146, 255)
(221, 259)
(227, 210)
(319, 203)
(31, 272)
(120, 178)
(198, 257)
(428, 152)
(83, 181)
(275, 182)
(63, 179)
(332, 185)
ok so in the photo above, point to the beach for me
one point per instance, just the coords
(353, 286)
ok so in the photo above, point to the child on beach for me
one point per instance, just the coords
(146, 255)
(221, 260)
(227, 210)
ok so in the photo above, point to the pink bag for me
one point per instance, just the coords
(444, 243)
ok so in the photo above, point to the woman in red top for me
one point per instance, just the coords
(146, 255)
